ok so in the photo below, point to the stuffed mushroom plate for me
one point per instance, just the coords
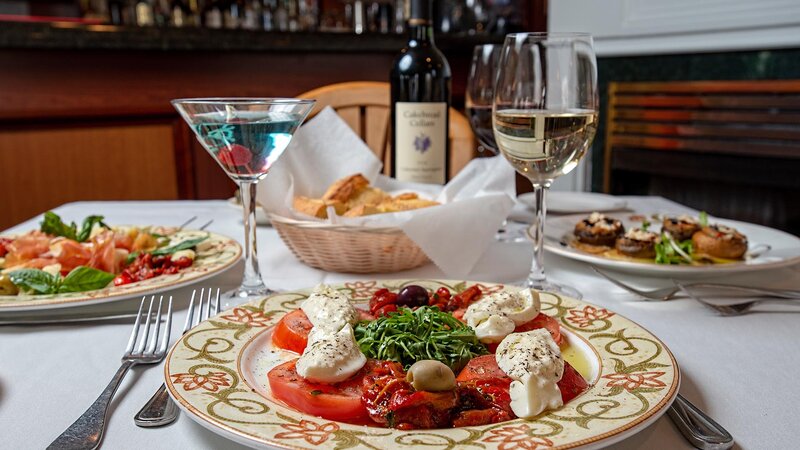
(217, 374)
(767, 248)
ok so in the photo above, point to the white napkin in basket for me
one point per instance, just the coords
(453, 235)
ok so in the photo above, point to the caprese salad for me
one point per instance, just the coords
(419, 360)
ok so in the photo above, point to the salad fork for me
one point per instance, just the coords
(160, 409)
(733, 309)
(669, 293)
(87, 431)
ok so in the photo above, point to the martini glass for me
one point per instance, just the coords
(246, 136)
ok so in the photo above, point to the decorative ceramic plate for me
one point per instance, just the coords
(219, 254)
(565, 202)
(217, 373)
(770, 249)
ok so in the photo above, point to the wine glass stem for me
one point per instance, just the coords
(537, 277)
(252, 275)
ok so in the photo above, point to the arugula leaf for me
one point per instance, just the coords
(35, 280)
(185, 245)
(52, 224)
(84, 278)
(408, 336)
(86, 227)
(703, 219)
(667, 250)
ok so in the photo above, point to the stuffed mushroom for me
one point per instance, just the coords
(638, 243)
(720, 241)
(598, 229)
(681, 228)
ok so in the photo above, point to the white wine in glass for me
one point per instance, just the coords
(544, 117)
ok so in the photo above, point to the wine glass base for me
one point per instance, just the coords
(244, 295)
(555, 288)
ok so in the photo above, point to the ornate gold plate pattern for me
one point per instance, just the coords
(212, 375)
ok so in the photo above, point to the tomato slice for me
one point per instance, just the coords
(291, 332)
(572, 383)
(485, 369)
(481, 368)
(543, 321)
(340, 401)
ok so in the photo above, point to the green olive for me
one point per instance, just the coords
(7, 287)
(432, 376)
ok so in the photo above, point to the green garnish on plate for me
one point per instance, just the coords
(79, 279)
(52, 224)
(408, 336)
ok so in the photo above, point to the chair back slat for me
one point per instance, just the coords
(364, 105)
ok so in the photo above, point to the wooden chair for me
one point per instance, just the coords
(731, 147)
(364, 105)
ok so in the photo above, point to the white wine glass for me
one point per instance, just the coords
(544, 117)
(245, 136)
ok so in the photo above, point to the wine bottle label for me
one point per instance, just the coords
(420, 142)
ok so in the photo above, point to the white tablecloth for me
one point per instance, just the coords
(740, 370)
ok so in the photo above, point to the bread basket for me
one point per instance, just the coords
(348, 248)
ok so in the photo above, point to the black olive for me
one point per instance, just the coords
(412, 295)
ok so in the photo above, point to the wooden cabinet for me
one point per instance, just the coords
(43, 167)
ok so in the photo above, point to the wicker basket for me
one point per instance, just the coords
(349, 249)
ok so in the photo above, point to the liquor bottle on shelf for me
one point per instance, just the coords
(232, 15)
(251, 19)
(212, 16)
(281, 16)
(420, 85)
(116, 11)
(179, 14)
(144, 13)
(267, 15)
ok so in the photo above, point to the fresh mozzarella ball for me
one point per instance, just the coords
(329, 309)
(330, 357)
(533, 360)
(495, 316)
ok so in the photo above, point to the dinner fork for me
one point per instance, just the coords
(87, 431)
(733, 309)
(160, 409)
(668, 293)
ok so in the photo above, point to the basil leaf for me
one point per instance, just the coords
(131, 258)
(35, 280)
(52, 224)
(84, 278)
(86, 227)
(185, 245)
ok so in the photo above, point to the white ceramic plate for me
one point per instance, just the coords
(217, 374)
(565, 202)
(219, 255)
(784, 249)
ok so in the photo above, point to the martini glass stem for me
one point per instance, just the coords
(537, 278)
(252, 282)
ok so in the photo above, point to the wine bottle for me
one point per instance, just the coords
(420, 80)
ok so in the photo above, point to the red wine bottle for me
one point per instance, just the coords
(420, 80)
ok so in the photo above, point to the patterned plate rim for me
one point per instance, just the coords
(593, 313)
(228, 252)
